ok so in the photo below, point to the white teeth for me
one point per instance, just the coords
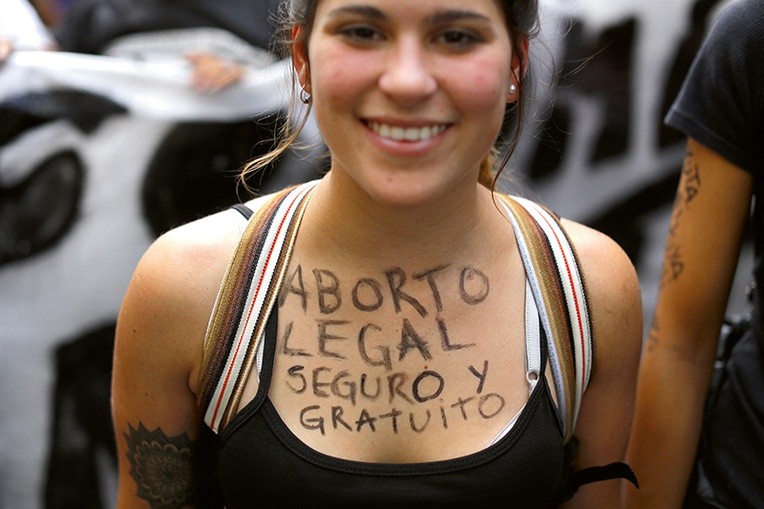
(396, 133)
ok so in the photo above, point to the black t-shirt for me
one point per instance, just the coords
(721, 103)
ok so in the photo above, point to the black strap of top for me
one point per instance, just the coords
(243, 210)
(573, 480)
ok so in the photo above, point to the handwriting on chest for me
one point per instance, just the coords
(423, 295)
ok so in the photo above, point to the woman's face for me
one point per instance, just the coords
(409, 96)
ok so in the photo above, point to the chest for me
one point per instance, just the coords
(390, 365)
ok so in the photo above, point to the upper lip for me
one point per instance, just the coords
(405, 123)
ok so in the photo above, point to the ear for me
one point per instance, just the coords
(518, 68)
(300, 57)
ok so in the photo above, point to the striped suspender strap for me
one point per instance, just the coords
(245, 300)
(557, 286)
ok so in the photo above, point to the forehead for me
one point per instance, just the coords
(409, 8)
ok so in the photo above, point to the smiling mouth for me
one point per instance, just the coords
(411, 134)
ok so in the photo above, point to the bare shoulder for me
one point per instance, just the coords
(606, 266)
(171, 295)
(187, 263)
(612, 284)
(615, 308)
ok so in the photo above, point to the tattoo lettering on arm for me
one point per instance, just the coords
(163, 467)
(653, 336)
(673, 265)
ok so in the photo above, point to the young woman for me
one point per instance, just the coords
(395, 366)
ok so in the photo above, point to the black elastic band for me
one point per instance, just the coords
(616, 470)
(243, 210)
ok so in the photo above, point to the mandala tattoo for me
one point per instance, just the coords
(162, 466)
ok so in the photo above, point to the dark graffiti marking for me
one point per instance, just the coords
(329, 297)
(162, 466)
(429, 392)
(331, 333)
(473, 286)
(411, 340)
(415, 296)
(426, 387)
(481, 375)
(317, 418)
(286, 349)
(446, 341)
(294, 285)
(369, 294)
(429, 275)
(358, 291)
(324, 337)
(385, 360)
(396, 278)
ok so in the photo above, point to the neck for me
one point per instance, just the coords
(352, 228)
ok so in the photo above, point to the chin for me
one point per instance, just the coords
(408, 193)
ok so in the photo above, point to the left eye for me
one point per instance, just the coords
(458, 38)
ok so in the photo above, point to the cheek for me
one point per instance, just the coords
(336, 78)
(482, 86)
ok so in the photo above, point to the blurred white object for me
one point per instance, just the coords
(20, 24)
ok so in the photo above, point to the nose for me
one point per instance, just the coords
(407, 76)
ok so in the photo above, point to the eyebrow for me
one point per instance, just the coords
(362, 10)
(446, 16)
(457, 15)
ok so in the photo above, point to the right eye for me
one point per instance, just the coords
(361, 33)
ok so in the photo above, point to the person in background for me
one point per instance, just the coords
(51, 11)
(22, 29)
(721, 110)
(219, 39)
(402, 362)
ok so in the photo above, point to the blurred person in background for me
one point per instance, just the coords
(218, 38)
(683, 432)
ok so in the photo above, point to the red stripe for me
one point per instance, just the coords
(575, 299)
(249, 314)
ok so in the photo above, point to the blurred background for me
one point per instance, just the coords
(106, 141)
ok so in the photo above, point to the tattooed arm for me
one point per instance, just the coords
(702, 248)
(156, 363)
(615, 306)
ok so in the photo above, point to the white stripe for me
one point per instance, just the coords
(532, 339)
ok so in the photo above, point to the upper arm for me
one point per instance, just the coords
(158, 349)
(615, 307)
(702, 248)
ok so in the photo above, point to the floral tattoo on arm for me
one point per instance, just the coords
(163, 467)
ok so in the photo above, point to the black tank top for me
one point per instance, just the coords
(259, 459)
